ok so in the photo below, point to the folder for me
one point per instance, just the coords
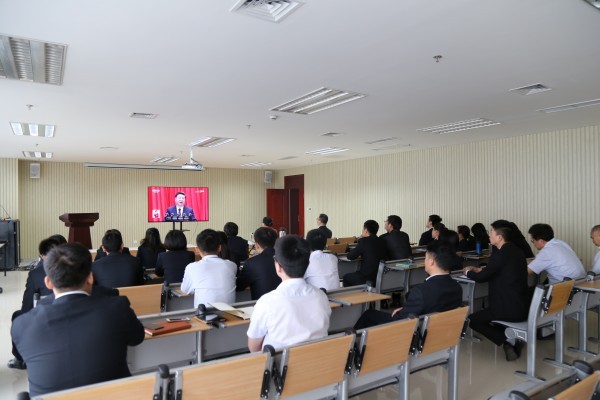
(161, 328)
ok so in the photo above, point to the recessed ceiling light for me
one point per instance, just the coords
(269, 10)
(256, 164)
(460, 126)
(31, 60)
(392, 147)
(318, 100)
(109, 148)
(164, 160)
(287, 158)
(387, 139)
(143, 115)
(571, 106)
(211, 141)
(327, 150)
(333, 134)
(37, 154)
(28, 129)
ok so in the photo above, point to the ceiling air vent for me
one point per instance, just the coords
(595, 3)
(143, 115)
(531, 89)
(269, 10)
(387, 139)
(332, 134)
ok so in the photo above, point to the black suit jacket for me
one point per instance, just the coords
(147, 256)
(426, 238)
(436, 294)
(325, 231)
(35, 283)
(238, 246)
(371, 250)
(259, 273)
(101, 253)
(396, 244)
(506, 273)
(172, 264)
(77, 340)
(118, 270)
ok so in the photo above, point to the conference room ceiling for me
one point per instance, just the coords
(206, 71)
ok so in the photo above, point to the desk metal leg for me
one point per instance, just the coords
(582, 326)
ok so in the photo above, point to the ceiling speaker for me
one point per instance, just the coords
(34, 170)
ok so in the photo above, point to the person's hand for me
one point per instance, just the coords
(396, 311)
(467, 269)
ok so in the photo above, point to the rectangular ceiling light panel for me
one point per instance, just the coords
(268, 10)
(210, 141)
(28, 129)
(327, 150)
(459, 126)
(32, 60)
(143, 115)
(571, 106)
(318, 100)
(37, 154)
(256, 164)
(164, 160)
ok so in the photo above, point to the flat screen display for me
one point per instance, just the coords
(185, 204)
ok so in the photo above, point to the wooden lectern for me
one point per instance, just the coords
(79, 227)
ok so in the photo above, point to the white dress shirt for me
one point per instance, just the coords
(596, 263)
(559, 261)
(211, 279)
(322, 271)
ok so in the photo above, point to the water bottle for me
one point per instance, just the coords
(478, 247)
(281, 232)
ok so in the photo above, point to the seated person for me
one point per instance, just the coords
(172, 263)
(267, 222)
(466, 242)
(117, 269)
(322, 220)
(450, 239)
(480, 235)
(322, 269)
(77, 339)
(211, 279)
(438, 293)
(426, 236)
(150, 248)
(395, 242)
(237, 245)
(554, 256)
(226, 253)
(258, 272)
(507, 297)
(100, 253)
(294, 312)
(34, 284)
(369, 248)
(595, 236)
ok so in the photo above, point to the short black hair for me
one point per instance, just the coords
(268, 221)
(479, 231)
(293, 254)
(178, 193)
(435, 219)
(231, 229)
(48, 244)
(439, 227)
(265, 237)
(208, 241)
(68, 265)
(444, 255)
(449, 237)
(541, 231)
(59, 239)
(503, 228)
(371, 226)
(316, 240)
(395, 221)
(323, 218)
(112, 240)
(175, 240)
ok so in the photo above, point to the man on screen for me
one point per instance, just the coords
(179, 212)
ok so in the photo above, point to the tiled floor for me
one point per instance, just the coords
(483, 370)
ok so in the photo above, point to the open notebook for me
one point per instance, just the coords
(242, 312)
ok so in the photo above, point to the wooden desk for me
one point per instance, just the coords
(345, 316)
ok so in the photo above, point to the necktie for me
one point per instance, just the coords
(179, 212)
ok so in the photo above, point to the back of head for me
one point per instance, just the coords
(48, 244)
(152, 238)
(443, 255)
(463, 231)
(293, 254)
(435, 219)
(112, 241)
(479, 231)
(371, 226)
(231, 229)
(323, 218)
(439, 227)
(395, 221)
(59, 239)
(316, 240)
(268, 221)
(449, 238)
(175, 240)
(265, 237)
(68, 266)
(541, 231)
(595, 229)
(208, 241)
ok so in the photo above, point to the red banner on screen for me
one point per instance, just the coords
(162, 206)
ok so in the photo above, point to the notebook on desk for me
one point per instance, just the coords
(160, 328)
(242, 312)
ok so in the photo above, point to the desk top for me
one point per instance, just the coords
(593, 286)
(197, 326)
(360, 298)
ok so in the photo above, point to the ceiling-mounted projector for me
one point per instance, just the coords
(192, 164)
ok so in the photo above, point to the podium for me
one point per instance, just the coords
(79, 227)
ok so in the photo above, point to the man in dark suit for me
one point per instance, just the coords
(370, 250)
(259, 272)
(117, 269)
(237, 245)
(395, 242)
(322, 226)
(179, 212)
(34, 284)
(427, 237)
(78, 339)
(438, 293)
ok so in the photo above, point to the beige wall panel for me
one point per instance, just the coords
(9, 187)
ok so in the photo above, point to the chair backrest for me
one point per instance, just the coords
(582, 390)
(331, 241)
(560, 293)
(338, 248)
(234, 378)
(315, 364)
(442, 330)
(144, 299)
(385, 345)
(349, 240)
(138, 387)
